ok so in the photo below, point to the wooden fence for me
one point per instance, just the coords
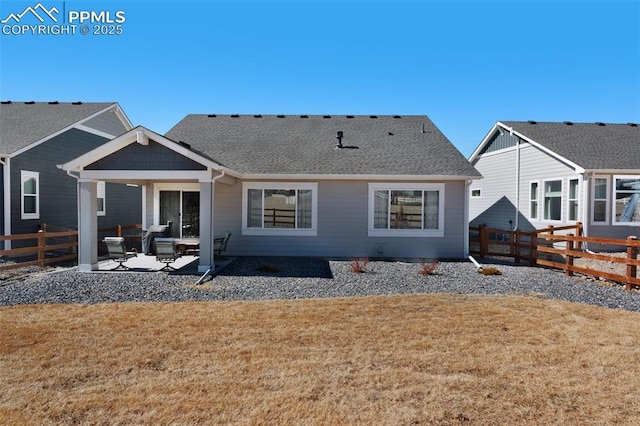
(52, 244)
(557, 247)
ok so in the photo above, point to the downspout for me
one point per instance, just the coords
(516, 222)
(587, 206)
(467, 187)
(213, 205)
(6, 199)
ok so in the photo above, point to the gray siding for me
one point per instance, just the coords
(342, 226)
(500, 141)
(107, 122)
(496, 206)
(501, 200)
(145, 157)
(58, 191)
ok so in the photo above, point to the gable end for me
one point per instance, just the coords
(501, 140)
(145, 157)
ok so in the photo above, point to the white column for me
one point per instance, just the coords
(87, 225)
(207, 193)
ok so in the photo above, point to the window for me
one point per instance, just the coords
(101, 199)
(412, 210)
(573, 199)
(627, 197)
(533, 200)
(600, 189)
(30, 194)
(476, 193)
(553, 200)
(279, 209)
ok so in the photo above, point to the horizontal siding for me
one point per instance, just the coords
(58, 191)
(342, 226)
(496, 206)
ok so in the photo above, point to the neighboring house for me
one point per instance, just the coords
(34, 138)
(538, 174)
(295, 185)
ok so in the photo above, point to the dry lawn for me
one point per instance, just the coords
(428, 359)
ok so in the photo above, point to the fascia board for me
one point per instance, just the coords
(59, 132)
(357, 177)
(485, 141)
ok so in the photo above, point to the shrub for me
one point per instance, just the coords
(427, 268)
(490, 270)
(359, 265)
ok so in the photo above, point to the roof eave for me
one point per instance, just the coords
(304, 176)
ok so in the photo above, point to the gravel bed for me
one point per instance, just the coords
(269, 278)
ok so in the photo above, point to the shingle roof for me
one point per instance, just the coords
(295, 144)
(593, 146)
(23, 123)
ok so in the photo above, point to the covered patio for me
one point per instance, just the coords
(159, 166)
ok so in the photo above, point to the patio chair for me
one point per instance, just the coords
(117, 251)
(220, 244)
(165, 252)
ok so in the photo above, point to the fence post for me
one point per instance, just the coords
(632, 254)
(42, 242)
(517, 247)
(484, 241)
(568, 259)
(533, 250)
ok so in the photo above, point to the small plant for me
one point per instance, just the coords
(359, 265)
(490, 270)
(427, 268)
(269, 269)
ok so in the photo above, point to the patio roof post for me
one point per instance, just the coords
(87, 225)
(207, 192)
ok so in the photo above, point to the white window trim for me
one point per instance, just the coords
(306, 232)
(372, 232)
(537, 218)
(577, 199)
(476, 196)
(614, 222)
(24, 175)
(102, 193)
(562, 201)
(606, 200)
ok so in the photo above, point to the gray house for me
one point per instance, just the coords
(34, 138)
(295, 185)
(539, 174)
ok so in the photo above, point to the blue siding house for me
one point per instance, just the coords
(37, 136)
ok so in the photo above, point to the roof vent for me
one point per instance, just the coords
(349, 116)
(54, 103)
(76, 103)
(30, 103)
(280, 116)
(326, 116)
(235, 115)
(599, 123)
(339, 137)
(184, 144)
(568, 123)
(304, 116)
(532, 122)
(6, 102)
(390, 134)
(396, 116)
(257, 116)
(373, 116)
(212, 116)
(628, 124)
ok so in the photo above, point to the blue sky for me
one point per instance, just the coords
(465, 64)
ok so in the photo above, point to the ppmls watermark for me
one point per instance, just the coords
(42, 20)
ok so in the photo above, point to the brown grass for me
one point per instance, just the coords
(428, 359)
